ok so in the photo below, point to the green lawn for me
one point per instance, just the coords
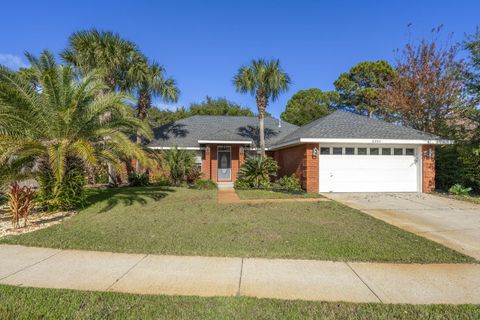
(182, 221)
(268, 194)
(34, 303)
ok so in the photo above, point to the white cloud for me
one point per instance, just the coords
(12, 61)
(164, 106)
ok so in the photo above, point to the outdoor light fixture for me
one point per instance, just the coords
(315, 152)
(241, 150)
(430, 153)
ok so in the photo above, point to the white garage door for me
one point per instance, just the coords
(369, 169)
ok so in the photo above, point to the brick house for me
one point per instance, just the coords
(341, 152)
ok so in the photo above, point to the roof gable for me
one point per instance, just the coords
(347, 125)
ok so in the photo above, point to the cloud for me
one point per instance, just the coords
(164, 106)
(12, 61)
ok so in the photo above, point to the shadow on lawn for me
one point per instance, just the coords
(126, 196)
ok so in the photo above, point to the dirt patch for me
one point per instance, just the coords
(36, 221)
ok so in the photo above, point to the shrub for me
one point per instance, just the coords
(70, 194)
(458, 164)
(194, 176)
(138, 179)
(242, 185)
(258, 171)
(204, 185)
(289, 183)
(179, 163)
(20, 203)
(459, 190)
(162, 181)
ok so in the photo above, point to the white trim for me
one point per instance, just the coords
(224, 142)
(180, 148)
(360, 141)
(375, 141)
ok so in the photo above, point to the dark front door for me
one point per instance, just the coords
(224, 163)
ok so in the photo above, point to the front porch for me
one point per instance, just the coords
(221, 162)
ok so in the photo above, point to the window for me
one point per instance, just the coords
(374, 151)
(337, 150)
(398, 151)
(386, 151)
(324, 150)
(198, 159)
(349, 150)
(362, 151)
(410, 152)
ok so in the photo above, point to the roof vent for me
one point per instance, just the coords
(280, 123)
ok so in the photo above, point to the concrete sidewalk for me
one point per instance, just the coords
(215, 276)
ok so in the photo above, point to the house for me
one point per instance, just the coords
(341, 152)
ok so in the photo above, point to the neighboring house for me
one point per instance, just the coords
(341, 152)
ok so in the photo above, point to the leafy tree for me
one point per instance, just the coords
(218, 107)
(157, 117)
(265, 80)
(68, 120)
(306, 106)
(359, 88)
(428, 90)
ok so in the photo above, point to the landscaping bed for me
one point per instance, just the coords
(35, 303)
(181, 221)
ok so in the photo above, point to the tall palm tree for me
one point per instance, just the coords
(109, 54)
(63, 117)
(149, 81)
(265, 80)
(104, 52)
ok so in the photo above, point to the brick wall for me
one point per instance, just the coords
(428, 169)
(206, 168)
(299, 160)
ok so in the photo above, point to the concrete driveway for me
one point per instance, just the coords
(453, 223)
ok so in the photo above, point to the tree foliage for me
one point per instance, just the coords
(218, 107)
(359, 88)
(265, 80)
(66, 118)
(428, 90)
(306, 106)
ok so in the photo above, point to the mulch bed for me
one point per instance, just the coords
(36, 221)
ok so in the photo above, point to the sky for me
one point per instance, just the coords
(203, 43)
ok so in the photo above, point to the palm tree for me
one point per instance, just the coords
(106, 53)
(265, 80)
(149, 81)
(64, 117)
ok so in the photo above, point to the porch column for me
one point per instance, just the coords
(206, 163)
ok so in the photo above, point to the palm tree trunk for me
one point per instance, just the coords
(144, 101)
(261, 105)
(261, 121)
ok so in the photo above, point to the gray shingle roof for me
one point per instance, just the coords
(347, 125)
(186, 132)
(337, 125)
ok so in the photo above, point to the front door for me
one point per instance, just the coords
(224, 163)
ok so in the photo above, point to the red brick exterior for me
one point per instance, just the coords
(210, 163)
(428, 168)
(299, 160)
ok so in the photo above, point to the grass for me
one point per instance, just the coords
(269, 194)
(182, 221)
(34, 303)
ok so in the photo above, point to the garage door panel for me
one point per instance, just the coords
(372, 173)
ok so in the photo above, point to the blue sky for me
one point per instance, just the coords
(202, 43)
